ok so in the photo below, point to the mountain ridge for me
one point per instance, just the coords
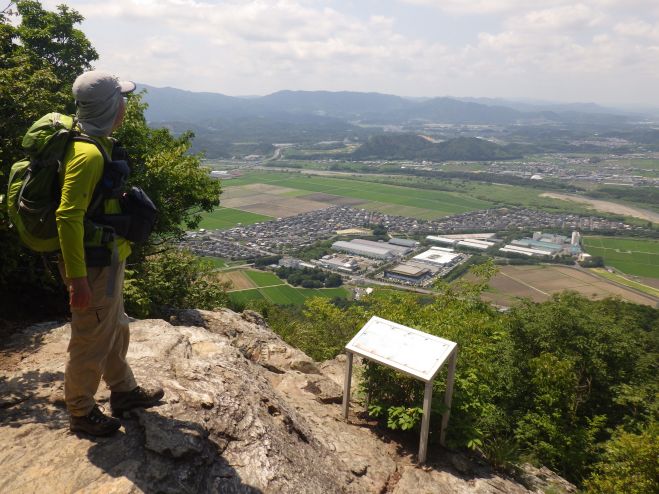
(172, 104)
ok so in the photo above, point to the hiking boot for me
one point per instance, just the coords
(137, 398)
(95, 423)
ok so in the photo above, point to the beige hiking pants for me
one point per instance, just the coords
(99, 343)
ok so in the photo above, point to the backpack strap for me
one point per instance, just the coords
(97, 196)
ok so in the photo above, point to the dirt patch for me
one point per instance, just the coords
(607, 206)
(283, 207)
(238, 280)
(539, 282)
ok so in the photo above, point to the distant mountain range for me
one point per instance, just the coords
(176, 105)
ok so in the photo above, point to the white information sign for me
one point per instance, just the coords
(408, 350)
(411, 351)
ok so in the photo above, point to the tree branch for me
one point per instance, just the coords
(6, 8)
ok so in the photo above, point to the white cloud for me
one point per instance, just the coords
(559, 50)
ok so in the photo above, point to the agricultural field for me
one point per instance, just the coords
(248, 285)
(262, 278)
(632, 256)
(538, 283)
(282, 194)
(638, 285)
(224, 218)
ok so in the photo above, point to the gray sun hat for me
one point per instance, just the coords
(98, 99)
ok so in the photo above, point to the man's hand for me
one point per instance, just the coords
(80, 294)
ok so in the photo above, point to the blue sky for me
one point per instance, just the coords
(606, 51)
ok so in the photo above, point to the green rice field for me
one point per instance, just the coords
(639, 257)
(224, 218)
(261, 278)
(285, 294)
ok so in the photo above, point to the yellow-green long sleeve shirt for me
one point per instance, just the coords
(81, 171)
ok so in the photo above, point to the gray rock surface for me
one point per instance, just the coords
(243, 412)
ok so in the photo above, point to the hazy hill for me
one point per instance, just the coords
(338, 104)
(169, 104)
(413, 147)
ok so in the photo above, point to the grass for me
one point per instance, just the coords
(286, 294)
(277, 291)
(225, 218)
(261, 278)
(632, 256)
(244, 296)
(216, 261)
(624, 281)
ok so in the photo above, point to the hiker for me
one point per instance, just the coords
(99, 325)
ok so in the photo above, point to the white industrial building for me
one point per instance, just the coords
(470, 241)
(476, 244)
(338, 263)
(516, 249)
(470, 236)
(398, 249)
(409, 272)
(442, 240)
(378, 251)
(404, 242)
(437, 257)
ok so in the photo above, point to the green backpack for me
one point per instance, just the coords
(33, 193)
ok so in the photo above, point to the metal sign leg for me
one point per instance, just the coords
(346, 384)
(448, 396)
(425, 423)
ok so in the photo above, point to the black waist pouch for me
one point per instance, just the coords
(97, 257)
(142, 212)
(137, 219)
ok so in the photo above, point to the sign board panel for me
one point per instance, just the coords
(408, 350)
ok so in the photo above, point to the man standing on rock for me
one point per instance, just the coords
(99, 326)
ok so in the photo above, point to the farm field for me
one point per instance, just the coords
(262, 278)
(325, 191)
(639, 257)
(238, 279)
(224, 218)
(538, 283)
(638, 285)
(251, 285)
(282, 194)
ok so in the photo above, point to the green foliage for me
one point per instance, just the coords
(403, 418)
(629, 464)
(39, 59)
(173, 279)
(592, 262)
(310, 278)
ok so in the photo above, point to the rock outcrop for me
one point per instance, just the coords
(243, 412)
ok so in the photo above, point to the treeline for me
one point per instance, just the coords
(648, 196)
(483, 177)
(309, 278)
(414, 147)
